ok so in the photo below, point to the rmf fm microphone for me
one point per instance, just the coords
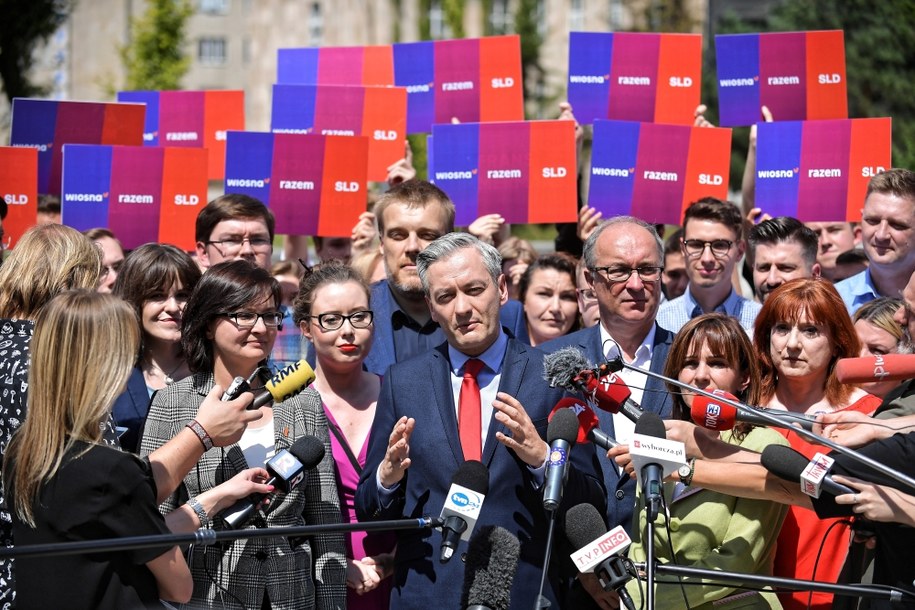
(286, 383)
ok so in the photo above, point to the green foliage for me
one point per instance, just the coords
(454, 17)
(155, 57)
(531, 41)
(24, 25)
(425, 30)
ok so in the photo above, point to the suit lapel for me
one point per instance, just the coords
(513, 367)
(444, 401)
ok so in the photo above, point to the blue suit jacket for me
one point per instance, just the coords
(621, 490)
(420, 387)
(382, 354)
(130, 409)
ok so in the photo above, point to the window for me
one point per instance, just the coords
(214, 7)
(315, 25)
(500, 17)
(212, 51)
(577, 16)
(616, 15)
(438, 27)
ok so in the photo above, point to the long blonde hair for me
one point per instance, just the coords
(84, 346)
(47, 260)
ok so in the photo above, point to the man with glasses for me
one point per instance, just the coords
(234, 226)
(712, 244)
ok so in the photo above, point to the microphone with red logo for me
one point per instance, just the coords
(569, 369)
(588, 430)
(869, 369)
(599, 551)
(714, 414)
(813, 475)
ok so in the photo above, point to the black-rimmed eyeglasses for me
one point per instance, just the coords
(695, 247)
(248, 319)
(334, 321)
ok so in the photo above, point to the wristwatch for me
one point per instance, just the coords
(686, 472)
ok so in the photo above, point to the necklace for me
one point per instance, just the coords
(167, 377)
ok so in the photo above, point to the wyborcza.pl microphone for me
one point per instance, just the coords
(286, 383)
(462, 505)
(492, 560)
(287, 471)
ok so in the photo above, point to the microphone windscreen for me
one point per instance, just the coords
(473, 475)
(309, 450)
(650, 424)
(290, 380)
(889, 367)
(492, 560)
(564, 426)
(561, 367)
(712, 414)
(583, 525)
(784, 462)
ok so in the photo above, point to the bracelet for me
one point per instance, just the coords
(197, 507)
(197, 429)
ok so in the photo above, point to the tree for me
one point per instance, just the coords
(526, 26)
(155, 57)
(26, 24)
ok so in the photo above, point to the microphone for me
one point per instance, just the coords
(588, 430)
(599, 551)
(786, 463)
(561, 434)
(287, 471)
(869, 369)
(644, 449)
(492, 560)
(469, 487)
(569, 369)
(286, 383)
(716, 415)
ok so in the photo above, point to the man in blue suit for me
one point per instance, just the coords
(420, 436)
(623, 258)
(410, 216)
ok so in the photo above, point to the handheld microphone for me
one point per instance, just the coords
(644, 451)
(588, 424)
(287, 471)
(469, 486)
(492, 560)
(569, 369)
(716, 415)
(285, 384)
(599, 551)
(870, 369)
(786, 463)
(561, 434)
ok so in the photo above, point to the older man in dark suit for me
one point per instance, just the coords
(425, 427)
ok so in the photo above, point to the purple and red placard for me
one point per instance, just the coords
(654, 171)
(192, 119)
(798, 75)
(19, 190)
(651, 78)
(314, 185)
(817, 171)
(525, 171)
(473, 79)
(48, 125)
(378, 113)
(143, 194)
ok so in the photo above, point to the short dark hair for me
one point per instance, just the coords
(226, 286)
(331, 272)
(672, 243)
(555, 260)
(784, 229)
(233, 206)
(97, 233)
(415, 194)
(715, 210)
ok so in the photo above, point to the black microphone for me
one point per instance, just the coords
(287, 471)
(651, 473)
(561, 434)
(492, 559)
(786, 463)
(598, 551)
(469, 486)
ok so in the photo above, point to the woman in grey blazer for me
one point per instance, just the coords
(228, 329)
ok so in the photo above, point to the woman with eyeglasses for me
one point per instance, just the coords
(332, 309)
(229, 327)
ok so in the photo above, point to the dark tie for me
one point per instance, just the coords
(469, 425)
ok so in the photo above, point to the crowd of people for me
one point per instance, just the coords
(428, 347)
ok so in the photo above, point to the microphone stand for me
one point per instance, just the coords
(650, 557)
(542, 602)
(617, 364)
(206, 537)
(724, 578)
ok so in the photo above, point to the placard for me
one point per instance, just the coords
(315, 185)
(798, 75)
(19, 190)
(652, 78)
(378, 113)
(47, 125)
(525, 171)
(368, 66)
(817, 171)
(194, 119)
(142, 194)
(654, 171)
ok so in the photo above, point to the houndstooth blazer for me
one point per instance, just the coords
(310, 575)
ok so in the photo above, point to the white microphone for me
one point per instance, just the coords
(599, 550)
(654, 458)
(462, 505)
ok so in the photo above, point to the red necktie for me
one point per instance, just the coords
(469, 425)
